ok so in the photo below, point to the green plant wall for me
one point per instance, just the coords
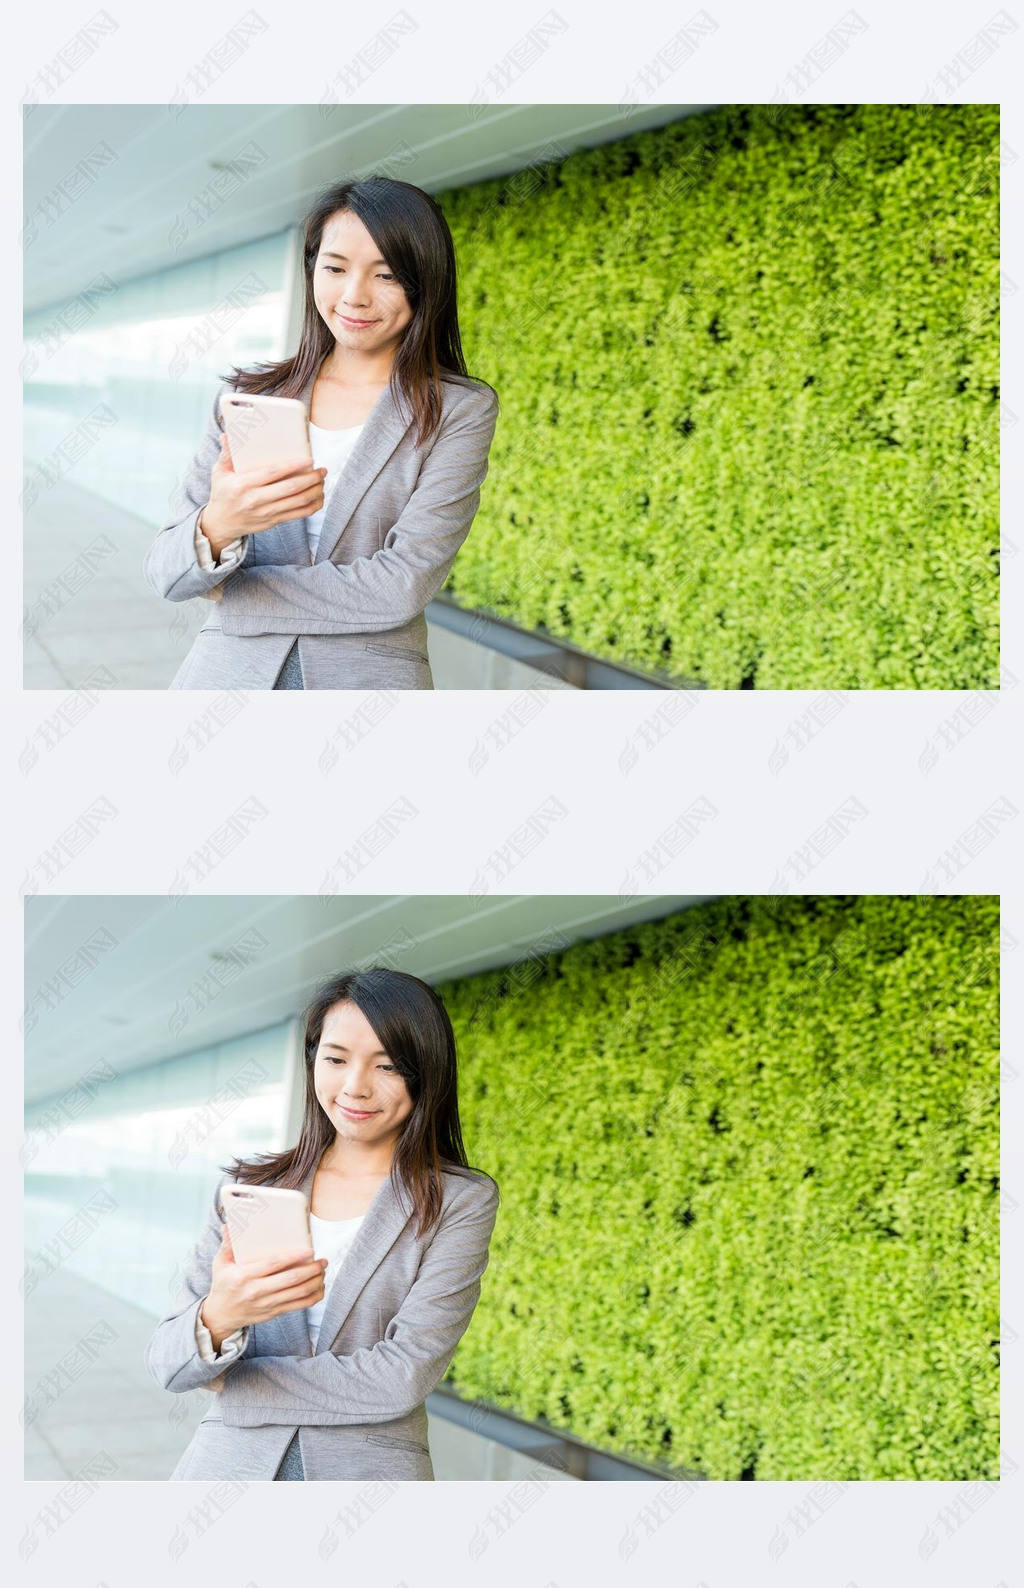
(748, 1158)
(748, 366)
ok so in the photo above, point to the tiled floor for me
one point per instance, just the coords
(91, 619)
(102, 1399)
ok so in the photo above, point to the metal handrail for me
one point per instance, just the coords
(546, 652)
(553, 1447)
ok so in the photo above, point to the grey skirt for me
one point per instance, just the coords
(290, 676)
(291, 1464)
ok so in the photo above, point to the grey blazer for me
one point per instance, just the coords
(395, 520)
(395, 1312)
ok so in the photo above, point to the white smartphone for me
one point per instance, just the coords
(264, 1220)
(265, 432)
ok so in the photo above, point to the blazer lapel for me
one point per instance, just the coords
(388, 421)
(385, 1219)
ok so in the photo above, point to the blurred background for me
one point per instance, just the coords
(747, 1147)
(179, 256)
(162, 1039)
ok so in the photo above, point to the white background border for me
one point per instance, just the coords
(621, 785)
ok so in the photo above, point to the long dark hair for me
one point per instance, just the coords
(409, 228)
(412, 1026)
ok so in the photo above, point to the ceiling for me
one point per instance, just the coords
(137, 979)
(132, 214)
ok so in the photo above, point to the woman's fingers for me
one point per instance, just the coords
(291, 1299)
(289, 485)
(264, 514)
(301, 506)
(257, 479)
(276, 1263)
(298, 1274)
(293, 496)
(295, 507)
(280, 1264)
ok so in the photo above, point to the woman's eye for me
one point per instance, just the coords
(332, 1060)
(336, 270)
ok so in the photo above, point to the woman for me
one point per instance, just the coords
(321, 1366)
(321, 573)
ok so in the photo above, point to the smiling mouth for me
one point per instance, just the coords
(357, 1113)
(360, 324)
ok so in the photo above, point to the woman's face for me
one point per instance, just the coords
(357, 1085)
(352, 283)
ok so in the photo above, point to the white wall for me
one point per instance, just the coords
(147, 353)
(121, 1172)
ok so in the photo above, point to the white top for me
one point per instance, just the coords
(331, 451)
(331, 1239)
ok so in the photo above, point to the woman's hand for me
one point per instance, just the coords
(244, 504)
(244, 1293)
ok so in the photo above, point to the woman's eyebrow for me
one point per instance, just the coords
(345, 257)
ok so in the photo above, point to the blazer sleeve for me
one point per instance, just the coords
(379, 1383)
(172, 565)
(231, 1346)
(173, 1357)
(395, 584)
